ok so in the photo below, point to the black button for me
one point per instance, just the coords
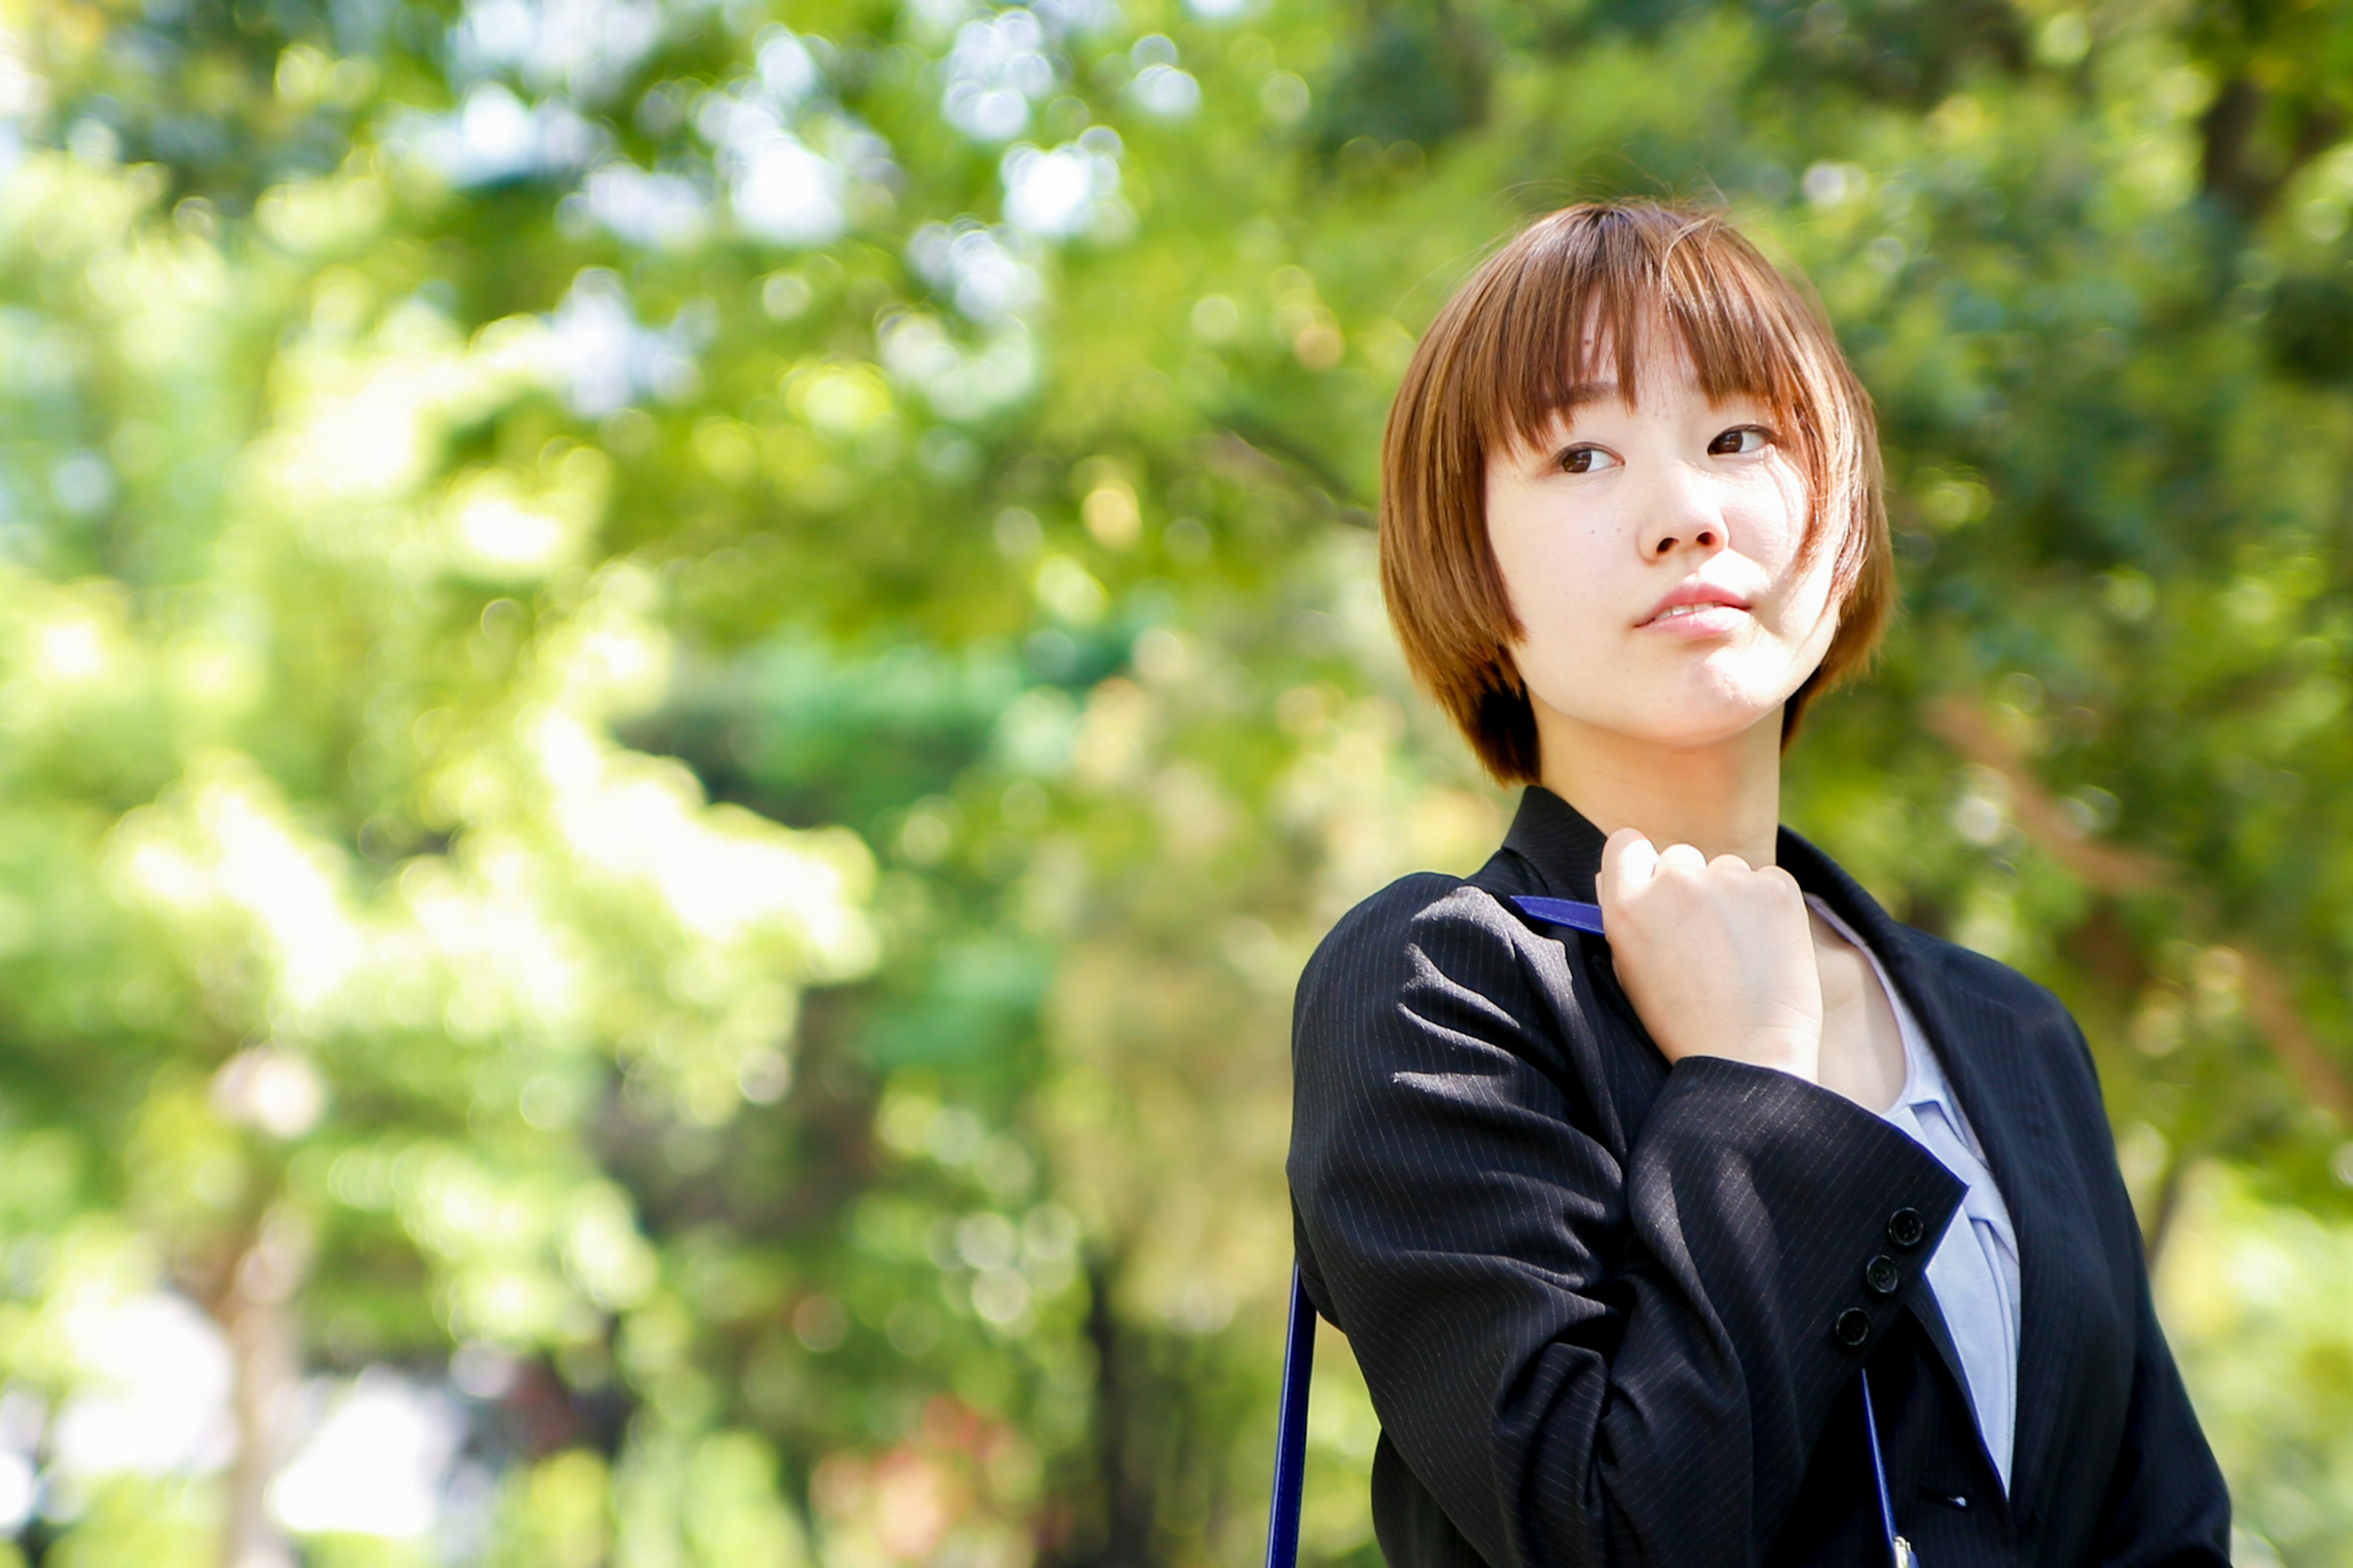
(1906, 1229)
(1853, 1327)
(1950, 1499)
(1882, 1275)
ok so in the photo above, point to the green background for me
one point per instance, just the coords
(680, 685)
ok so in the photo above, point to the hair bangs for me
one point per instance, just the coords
(1581, 308)
(1570, 310)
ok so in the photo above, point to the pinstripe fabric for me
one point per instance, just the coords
(1595, 1299)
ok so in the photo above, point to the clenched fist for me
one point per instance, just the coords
(1716, 956)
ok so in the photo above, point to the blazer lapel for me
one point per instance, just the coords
(1980, 1051)
(1998, 1089)
(1925, 1307)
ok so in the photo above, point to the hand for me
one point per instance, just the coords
(1718, 958)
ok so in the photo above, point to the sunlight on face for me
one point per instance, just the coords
(1652, 554)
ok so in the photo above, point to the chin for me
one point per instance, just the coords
(1697, 730)
(1707, 710)
(1701, 703)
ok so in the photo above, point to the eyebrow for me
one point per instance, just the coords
(1576, 395)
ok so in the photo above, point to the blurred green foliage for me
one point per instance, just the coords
(682, 682)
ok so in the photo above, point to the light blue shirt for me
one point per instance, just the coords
(1974, 1270)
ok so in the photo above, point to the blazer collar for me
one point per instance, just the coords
(1553, 836)
(1566, 850)
(1981, 1049)
(2022, 1147)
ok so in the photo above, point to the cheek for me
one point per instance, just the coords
(1555, 568)
(1808, 615)
(1769, 512)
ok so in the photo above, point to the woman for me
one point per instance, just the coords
(1613, 1226)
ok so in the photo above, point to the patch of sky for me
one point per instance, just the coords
(787, 184)
(1063, 192)
(375, 1460)
(1062, 16)
(654, 210)
(82, 484)
(781, 188)
(794, 173)
(587, 49)
(784, 192)
(961, 384)
(978, 266)
(996, 67)
(154, 1397)
(603, 357)
(494, 136)
(1160, 88)
(788, 69)
(24, 91)
(932, 23)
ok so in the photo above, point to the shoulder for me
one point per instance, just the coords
(1431, 967)
(1966, 975)
(1992, 1005)
(1431, 1004)
(1978, 994)
(1426, 921)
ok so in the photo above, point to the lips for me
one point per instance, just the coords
(1693, 602)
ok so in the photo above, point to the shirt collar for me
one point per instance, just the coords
(1921, 1083)
(1925, 1084)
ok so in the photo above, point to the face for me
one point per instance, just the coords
(1652, 556)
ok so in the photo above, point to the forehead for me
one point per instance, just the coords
(1664, 377)
(1699, 320)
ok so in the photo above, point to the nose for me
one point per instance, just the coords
(1682, 516)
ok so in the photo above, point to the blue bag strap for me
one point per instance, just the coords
(1899, 1550)
(1561, 912)
(1298, 1354)
(1291, 1445)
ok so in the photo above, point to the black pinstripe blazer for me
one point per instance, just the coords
(1597, 1300)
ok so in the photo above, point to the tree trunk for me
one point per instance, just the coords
(2240, 170)
(253, 1306)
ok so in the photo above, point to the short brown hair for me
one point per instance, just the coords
(1498, 363)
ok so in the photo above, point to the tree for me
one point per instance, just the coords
(451, 445)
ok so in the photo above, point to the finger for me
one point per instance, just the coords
(1724, 865)
(1682, 857)
(1628, 860)
(1784, 886)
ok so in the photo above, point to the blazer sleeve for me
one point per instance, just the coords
(1585, 1358)
(2166, 1505)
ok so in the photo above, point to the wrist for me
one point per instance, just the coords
(1783, 1053)
(1799, 1055)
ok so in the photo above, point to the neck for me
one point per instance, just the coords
(1722, 798)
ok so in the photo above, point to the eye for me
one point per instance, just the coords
(1586, 460)
(1740, 440)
